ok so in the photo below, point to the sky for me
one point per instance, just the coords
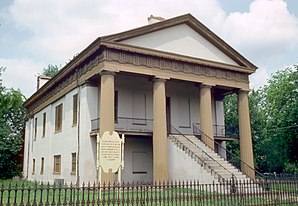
(35, 33)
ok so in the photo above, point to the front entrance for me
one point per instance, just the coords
(138, 159)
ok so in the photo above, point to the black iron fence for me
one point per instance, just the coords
(260, 192)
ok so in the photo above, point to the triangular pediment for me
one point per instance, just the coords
(183, 40)
(183, 35)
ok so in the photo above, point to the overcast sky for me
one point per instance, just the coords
(35, 33)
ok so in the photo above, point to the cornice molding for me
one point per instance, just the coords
(68, 79)
(126, 57)
(108, 54)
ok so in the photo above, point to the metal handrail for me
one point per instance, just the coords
(230, 153)
(121, 123)
(233, 176)
(219, 130)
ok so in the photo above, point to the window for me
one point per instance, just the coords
(139, 108)
(75, 109)
(35, 128)
(33, 166)
(42, 166)
(139, 166)
(58, 118)
(184, 113)
(44, 119)
(57, 163)
(73, 163)
(116, 106)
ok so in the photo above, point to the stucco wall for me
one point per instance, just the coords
(182, 167)
(132, 91)
(53, 143)
(181, 39)
(87, 157)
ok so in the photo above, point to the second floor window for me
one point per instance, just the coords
(35, 128)
(75, 109)
(44, 119)
(58, 118)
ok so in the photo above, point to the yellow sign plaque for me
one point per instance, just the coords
(110, 152)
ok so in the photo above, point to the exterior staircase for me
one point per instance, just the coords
(221, 169)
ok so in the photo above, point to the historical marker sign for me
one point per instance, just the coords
(110, 152)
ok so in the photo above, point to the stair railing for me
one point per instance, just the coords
(233, 177)
(232, 156)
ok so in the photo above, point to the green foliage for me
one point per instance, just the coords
(281, 101)
(50, 71)
(10, 146)
(12, 119)
(274, 122)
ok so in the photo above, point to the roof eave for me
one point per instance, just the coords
(195, 25)
(83, 55)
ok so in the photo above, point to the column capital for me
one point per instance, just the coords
(158, 79)
(243, 91)
(206, 85)
(107, 73)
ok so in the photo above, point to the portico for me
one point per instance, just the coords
(163, 79)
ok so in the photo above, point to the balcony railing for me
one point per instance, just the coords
(128, 124)
(220, 131)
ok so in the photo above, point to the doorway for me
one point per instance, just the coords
(138, 159)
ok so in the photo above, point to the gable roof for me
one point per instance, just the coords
(192, 22)
(113, 41)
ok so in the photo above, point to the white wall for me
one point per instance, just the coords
(66, 142)
(183, 40)
(62, 143)
(89, 110)
(183, 167)
(27, 144)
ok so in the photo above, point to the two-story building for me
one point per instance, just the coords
(162, 85)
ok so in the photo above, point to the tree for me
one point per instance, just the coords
(50, 71)
(256, 119)
(281, 110)
(10, 146)
(274, 122)
(12, 119)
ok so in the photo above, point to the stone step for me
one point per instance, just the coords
(213, 162)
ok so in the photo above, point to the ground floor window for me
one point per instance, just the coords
(73, 163)
(33, 166)
(42, 166)
(57, 163)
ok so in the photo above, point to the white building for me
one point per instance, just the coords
(162, 85)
